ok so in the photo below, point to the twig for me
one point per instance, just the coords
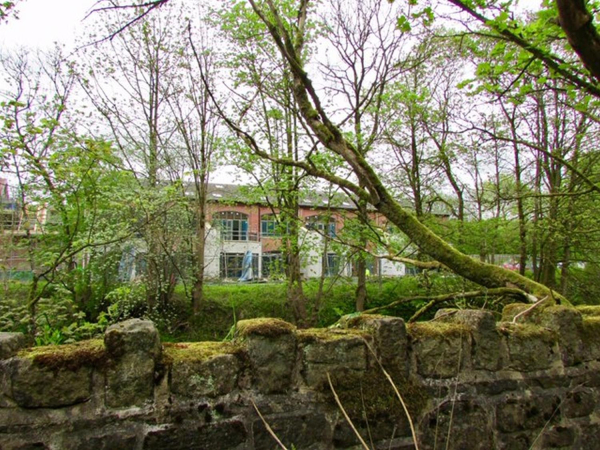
(339, 403)
(528, 310)
(268, 427)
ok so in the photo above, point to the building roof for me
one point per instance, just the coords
(219, 192)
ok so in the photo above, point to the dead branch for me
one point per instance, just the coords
(433, 301)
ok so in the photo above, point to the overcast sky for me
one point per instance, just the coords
(43, 22)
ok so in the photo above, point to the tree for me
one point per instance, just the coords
(265, 106)
(198, 131)
(290, 40)
(132, 81)
(367, 55)
(8, 9)
(290, 37)
(64, 179)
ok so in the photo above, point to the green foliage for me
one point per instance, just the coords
(584, 285)
(58, 318)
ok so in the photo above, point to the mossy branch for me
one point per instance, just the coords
(436, 300)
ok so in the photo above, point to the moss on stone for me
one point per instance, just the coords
(312, 335)
(358, 320)
(525, 331)
(419, 330)
(512, 309)
(589, 310)
(70, 356)
(267, 327)
(591, 329)
(197, 351)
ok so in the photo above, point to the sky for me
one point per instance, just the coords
(43, 22)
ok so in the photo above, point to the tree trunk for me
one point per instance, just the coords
(332, 138)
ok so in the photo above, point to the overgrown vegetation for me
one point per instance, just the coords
(60, 320)
(483, 145)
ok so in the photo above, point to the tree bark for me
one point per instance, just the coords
(577, 23)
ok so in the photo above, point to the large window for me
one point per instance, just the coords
(233, 225)
(270, 226)
(323, 224)
(333, 264)
(232, 264)
(272, 264)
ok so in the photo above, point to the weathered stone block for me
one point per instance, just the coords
(114, 441)
(35, 386)
(132, 336)
(225, 435)
(130, 381)
(590, 337)
(440, 349)
(486, 348)
(334, 351)
(302, 430)
(558, 437)
(134, 346)
(518, 414)
(212, 377)
(10, 344)
(389, 335)
(515, 441)
(463, 424)
(271, 346)
(588, 437)
(579, 403)
(567, 322)
(530, 347)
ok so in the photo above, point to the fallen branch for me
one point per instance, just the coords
(497, 292)
(434, 301)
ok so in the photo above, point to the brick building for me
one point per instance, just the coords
(239, 225)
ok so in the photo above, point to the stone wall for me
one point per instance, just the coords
(468, 381)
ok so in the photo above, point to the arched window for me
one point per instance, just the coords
(233, 225)
(321, 223)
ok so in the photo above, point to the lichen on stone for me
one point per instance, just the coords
(69, 356)
(266, 327)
